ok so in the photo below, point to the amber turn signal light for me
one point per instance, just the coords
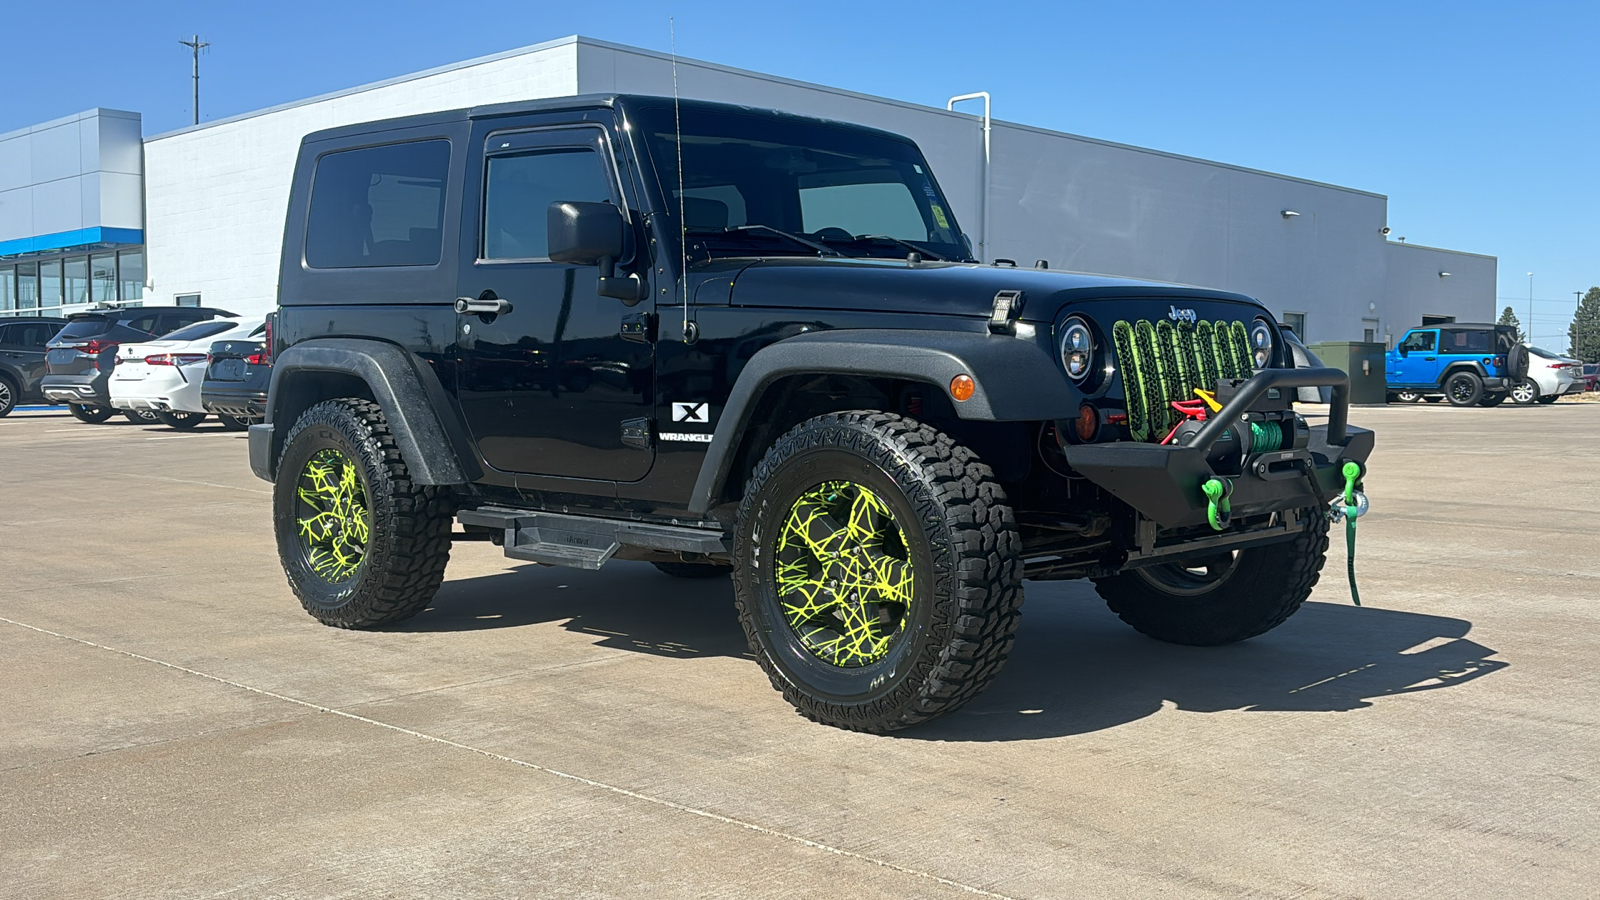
(962, 387)
(1088, 423)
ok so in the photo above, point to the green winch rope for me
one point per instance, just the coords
(1265, 437)
(1351, 471)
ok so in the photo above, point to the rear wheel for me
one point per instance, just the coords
(1549, 398)
(9, 393)
(141, 416)
(1407, 396)
(1494, 399)
(233, 423)
(1221, 598)
(877, 571)
(1463, 389)
(93, 415)
(1525, 392)
(183, 421)
(361, 542)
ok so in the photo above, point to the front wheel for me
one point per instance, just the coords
(233, 423)
(141, 416)
(8, 396)
(362, 543)
(1221, 598)
(183, 421)
(1407, 396)
(1493, 399)
(1549, 398)
(1464, 389)
(1525, 392)
(877, 570)
(93, 415)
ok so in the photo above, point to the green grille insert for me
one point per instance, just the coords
(1162, 362)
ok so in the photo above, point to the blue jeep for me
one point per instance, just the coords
(1467, 364)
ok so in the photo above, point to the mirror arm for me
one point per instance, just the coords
(629, 288)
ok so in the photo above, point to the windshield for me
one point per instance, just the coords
(857, 193)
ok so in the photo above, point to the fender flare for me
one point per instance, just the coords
(430, 436)
(1017, 380)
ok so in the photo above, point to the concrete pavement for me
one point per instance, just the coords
(173, 725)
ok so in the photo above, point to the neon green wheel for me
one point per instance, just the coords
(333, 518)
(843, 574)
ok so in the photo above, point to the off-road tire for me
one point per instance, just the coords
(694, 570)
(10, 394)
(1493, 398)
(182, 421)
(141, 416)
(1463, 389)
(962, 547)
(408, 546)
(92, 415)
(1525, 392)
(233, 423)
(1265, 587)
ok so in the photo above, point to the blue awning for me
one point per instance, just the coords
(67, 240)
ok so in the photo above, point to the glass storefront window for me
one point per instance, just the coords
(76, 280)
(103, 277)
(131, 275)
(50, 284)
(28, 286)
(8, 288)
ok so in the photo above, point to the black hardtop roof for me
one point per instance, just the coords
(1466, 325)
(624, 102)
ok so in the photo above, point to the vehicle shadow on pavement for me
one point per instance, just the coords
(630, 606)
(1076, 668)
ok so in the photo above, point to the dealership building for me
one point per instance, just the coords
(92, 212)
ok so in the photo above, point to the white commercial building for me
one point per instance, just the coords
(1315, 253)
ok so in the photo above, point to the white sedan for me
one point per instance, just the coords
(164, 376)
(1550, 377)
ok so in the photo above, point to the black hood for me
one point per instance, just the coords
(931, 288)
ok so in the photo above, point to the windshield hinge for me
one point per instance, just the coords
(639, 327)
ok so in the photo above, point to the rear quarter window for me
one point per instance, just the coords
(378, 206)
(199, 331)
(84, 327)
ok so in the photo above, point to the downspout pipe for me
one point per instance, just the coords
(983, 215)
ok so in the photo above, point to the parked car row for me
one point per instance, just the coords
(1477, 365)
(174, 365)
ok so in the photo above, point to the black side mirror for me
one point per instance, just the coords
(1404, 350)
(593, 234)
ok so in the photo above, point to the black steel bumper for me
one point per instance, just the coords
(1163, 482)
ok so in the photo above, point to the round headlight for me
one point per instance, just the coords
(1077, 349)
(1261, 338)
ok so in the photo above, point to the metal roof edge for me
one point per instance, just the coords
(91, 113)
(1441, 250)
(374, 85)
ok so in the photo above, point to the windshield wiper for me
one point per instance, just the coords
(823, 249)
(906, 244)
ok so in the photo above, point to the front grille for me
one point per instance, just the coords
(1164, 361)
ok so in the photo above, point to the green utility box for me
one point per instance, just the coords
(1363, 362)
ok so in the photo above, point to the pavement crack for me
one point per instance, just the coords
(556, 773)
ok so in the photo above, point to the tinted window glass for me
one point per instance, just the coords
(85, 327)
(32, 335)
(1468, 341)
(1418, 340)
(199, 330)
(520, 191)
(381, 206)
(882, 207)
(149, 323)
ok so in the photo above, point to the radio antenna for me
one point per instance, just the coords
(683, 226)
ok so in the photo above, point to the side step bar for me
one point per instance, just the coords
(586, 542)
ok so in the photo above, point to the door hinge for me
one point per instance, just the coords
(639, 327)
(636, 433)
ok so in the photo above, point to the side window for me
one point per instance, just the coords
(1419, 340)
(10, 335)
(519, 190)
(32, 337)
(378, 206)
(147, 323)
(1467, 341)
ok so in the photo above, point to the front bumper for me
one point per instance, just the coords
(1162, 482)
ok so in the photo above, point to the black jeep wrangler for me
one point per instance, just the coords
(722, 339)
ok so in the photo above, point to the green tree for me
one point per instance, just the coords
(1508, 316)
(1584, 332)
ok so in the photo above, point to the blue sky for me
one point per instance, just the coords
(1479, 121)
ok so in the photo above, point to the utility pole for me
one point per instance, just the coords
(1530, 307)
(196, 45)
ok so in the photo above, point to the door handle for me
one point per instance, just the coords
(1425, 358)
(481, 305)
